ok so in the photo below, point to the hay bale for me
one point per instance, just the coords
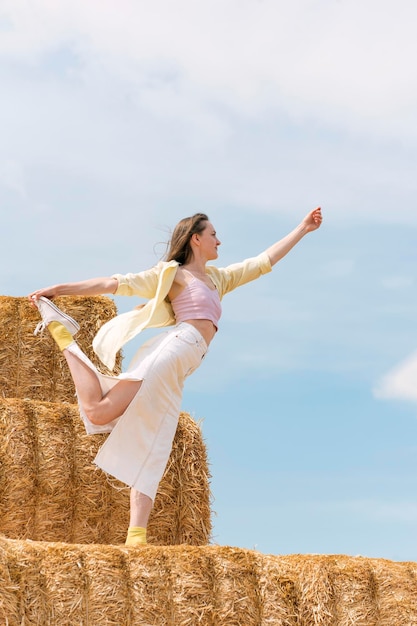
(69, 585)
(32, 367)
(354, 588)
(278, 592)
(50, 489)
(344, 590)
(396, 594)
(182, 510)
(315, 594)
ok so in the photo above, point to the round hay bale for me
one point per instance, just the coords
(32, 367)
(69, 585)
(50, 489)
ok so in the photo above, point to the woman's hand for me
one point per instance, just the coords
(47, 292)
(313, 220)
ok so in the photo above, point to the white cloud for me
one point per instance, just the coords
(401, 382)
(348, 62)
(265, 105)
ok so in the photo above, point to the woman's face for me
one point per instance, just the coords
(208, 242)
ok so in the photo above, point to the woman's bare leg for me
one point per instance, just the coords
(140, 508)
(99, 409)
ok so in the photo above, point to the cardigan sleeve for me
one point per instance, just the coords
(143, 284)
(237, 274)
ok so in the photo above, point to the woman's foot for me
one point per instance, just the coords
(51, 313)
(136, 536)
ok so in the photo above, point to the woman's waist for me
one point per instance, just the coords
(206, 328)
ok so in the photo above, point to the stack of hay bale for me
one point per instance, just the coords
(49, 487)
(63, 522)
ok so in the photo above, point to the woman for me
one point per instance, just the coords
(140, 408)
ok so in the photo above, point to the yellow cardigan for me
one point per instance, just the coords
(154, 285)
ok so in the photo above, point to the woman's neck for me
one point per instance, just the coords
(195, 267)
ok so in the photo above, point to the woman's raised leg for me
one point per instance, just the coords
(99, 409)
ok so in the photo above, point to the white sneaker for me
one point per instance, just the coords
(50, 313)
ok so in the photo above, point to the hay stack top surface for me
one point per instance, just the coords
(211, 586)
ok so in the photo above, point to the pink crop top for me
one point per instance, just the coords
(197, 302)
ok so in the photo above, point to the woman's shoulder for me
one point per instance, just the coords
(160, 267)
(181, 276)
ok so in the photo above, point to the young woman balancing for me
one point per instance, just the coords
(140, 407)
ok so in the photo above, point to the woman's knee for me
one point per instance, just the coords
(94, 414)
(113, 404)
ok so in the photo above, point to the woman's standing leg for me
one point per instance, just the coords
(140, 509)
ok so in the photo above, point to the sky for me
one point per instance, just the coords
(118, 118)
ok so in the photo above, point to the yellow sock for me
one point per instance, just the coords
(136, 535)
(60, 334)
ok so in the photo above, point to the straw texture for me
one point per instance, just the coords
(62, 519)
(32, 367)
(50, 489)
(76, 585)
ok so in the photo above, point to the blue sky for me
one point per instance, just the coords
(118, 119)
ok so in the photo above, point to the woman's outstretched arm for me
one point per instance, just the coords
(311, 222)
(90, 287)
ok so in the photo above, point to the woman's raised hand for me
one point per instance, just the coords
(313, 220)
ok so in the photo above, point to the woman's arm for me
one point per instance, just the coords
(91, 287)
(278, 250)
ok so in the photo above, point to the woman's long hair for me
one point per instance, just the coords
(179, 246)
